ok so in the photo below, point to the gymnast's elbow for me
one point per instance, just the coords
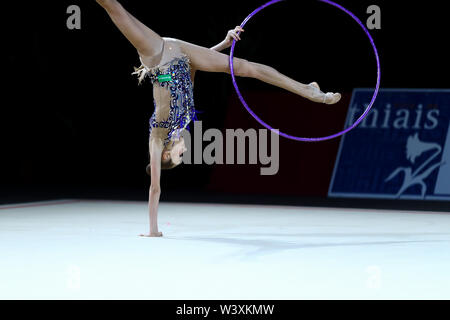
(155, 189)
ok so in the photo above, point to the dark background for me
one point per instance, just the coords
(74, 122)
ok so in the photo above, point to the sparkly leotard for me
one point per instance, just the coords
(174, 76)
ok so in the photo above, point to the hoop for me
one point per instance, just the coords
(314, 138)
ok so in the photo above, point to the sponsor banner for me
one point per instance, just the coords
(400, 151)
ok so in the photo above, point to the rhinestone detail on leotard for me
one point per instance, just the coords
(182, 109)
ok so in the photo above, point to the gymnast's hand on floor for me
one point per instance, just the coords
(152, 235)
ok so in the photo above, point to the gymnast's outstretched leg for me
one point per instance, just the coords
(147, 42)
(204, 59)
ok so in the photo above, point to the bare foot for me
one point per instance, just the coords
(152, 235)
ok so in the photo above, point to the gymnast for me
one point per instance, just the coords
(170, 64)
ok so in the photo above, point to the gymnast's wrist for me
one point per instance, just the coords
(225, 44)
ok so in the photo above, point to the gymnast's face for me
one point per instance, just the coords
(176, 151)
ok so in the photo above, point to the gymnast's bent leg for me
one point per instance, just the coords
(204, 59)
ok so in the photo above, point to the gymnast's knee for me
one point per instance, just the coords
(244, 68)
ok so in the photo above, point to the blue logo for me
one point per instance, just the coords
(401, 150)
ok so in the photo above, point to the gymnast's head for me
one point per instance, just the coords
(172, 154)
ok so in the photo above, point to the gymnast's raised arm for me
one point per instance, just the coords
(226, 43)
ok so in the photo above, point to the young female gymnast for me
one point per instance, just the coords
(171, 65)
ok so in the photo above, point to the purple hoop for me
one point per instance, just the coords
(294, 137)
